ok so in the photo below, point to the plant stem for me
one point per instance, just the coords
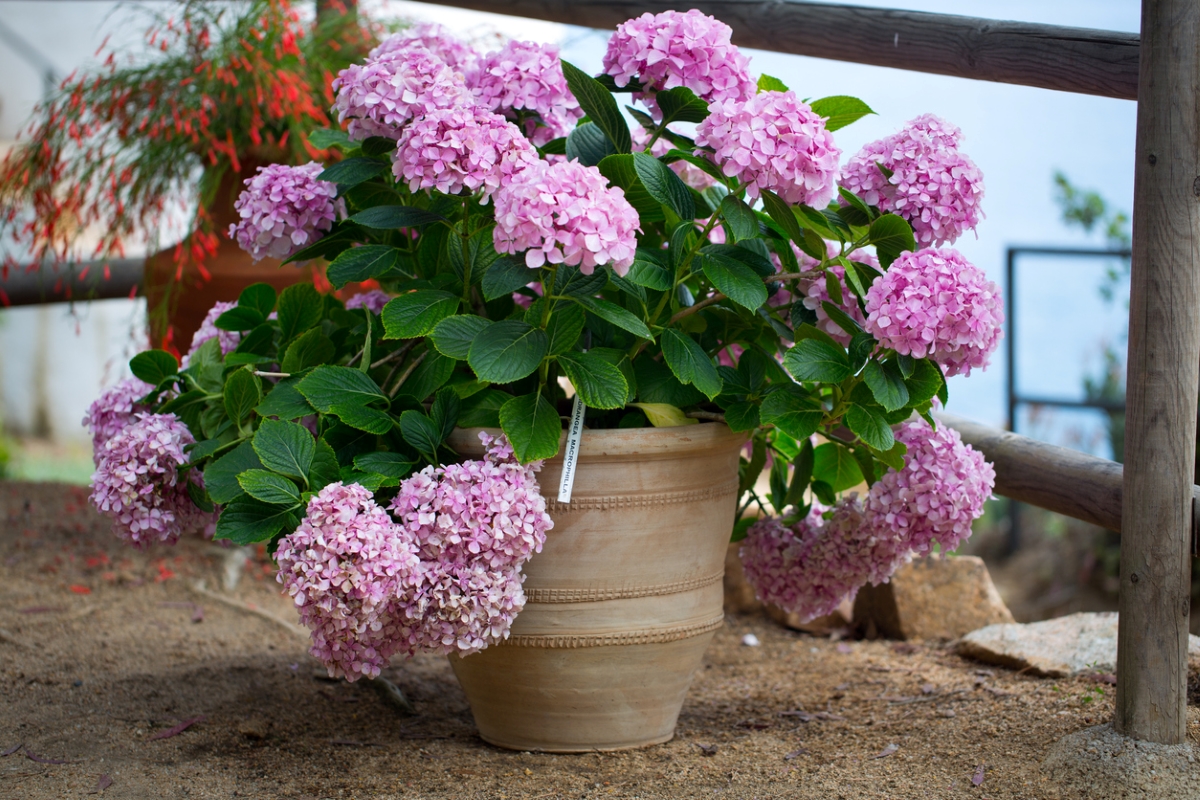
(404, 376)
(712, 415)
(273, 374)
(398, 353)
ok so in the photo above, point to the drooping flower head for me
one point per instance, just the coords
(208, 329)
(346, 567)
(467, 147)
(679, 49)
(464, 608)
(565, 213)
(920, 174)
(380, 97)
(283, 209)
(773, 141)
(937, 495)
(113, 411)
(936, 304)
(524, 82)
(374, 300)
(457, 54)
(137, 482)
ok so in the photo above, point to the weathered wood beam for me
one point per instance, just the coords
(1162, 372)
(1081, 60)
(84, 280)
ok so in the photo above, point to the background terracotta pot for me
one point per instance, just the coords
(622, 601)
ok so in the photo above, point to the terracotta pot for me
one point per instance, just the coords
(179, 303)
(623, 599)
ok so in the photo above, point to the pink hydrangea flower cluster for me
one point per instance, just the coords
(817, 293)
(933, 185)
(283, 209)
(380, 97)
(374, 300)
(938, 494)
(113, 411)
(773, 141)
(452, 149)
(524, 81)
(679, 49)
(936, 304)
(812, 566)
(565, 213)
(692, 175)
(137, 482)
(457, 54)
(208, 329)
(349, 574)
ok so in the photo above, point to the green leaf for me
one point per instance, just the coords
(378, 146)
(507, 351)
(599, 105)
(861, 347)
(269, 487)
(532, 426)
(482, 410)
(613, 313)
(363, 418)
(599, 383)
(393, 217)
(327, 386)
(680, 105)
(866, 464)
(836, 466)
(734, 279)
(650, 275)
(428, 377)
(310, 349)
(259, 297)
(416, 313)
(657, 384)
(858, 203)
(573, 283)
(444, 412)
(505, 276)
(588, 145)
(840, 110)
(154, 366)
(887, 386)
(664, 185)
(741, 219)
(300, 308)
(817, 360)
(802, 470)
(690, 363)
(767, 83)
(246, 521)
(792, 411)
(891, 235)
(325, 138)
(620, 171)
(350, 172)
(564, 328)
(243, 391)
(324, 469)
(362, 263)
(554, 147)
(925, 382)
(742, 416)
(284, 401)
(220, 476)
(392, 465)
(453, 336)
(187, 407)
(259, 342)
(870, 426)
(421, 434)
(893, 457)
(239, 319)
(841, 318)
(285, 447)
(665, 415)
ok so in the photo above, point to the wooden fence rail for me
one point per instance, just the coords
(1081, 60)
(84, 280)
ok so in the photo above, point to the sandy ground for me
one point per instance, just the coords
(105, 653)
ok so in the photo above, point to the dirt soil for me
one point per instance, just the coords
(118, 678)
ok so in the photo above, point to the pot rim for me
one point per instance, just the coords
(625, 444)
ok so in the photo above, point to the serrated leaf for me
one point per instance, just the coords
(239, 319)
(352, 171)
(861, 347)
(284, 401)
(243, 391)
(363, 418)
(817, 360)
(393, 217)
(733, 279)
(507, 351)
(285, 447)
(325, 138)
(391, 465)
(421, 434)
(444, 412)
(893, 457)
(300, 308)
(312, 348)
(416, 313)
(664, 185)
(741, 219)
(680, 105)
(664, 415)
(269, 487)
(505, 276)
(532, 426)
(742, 416)
(324, 469)
(840, 110)
(153, 366)
(363, 263)
(220, 476)
(258, 296)
(247, 521)
(841, 318)
(802, 470)
(870, 426)
(887, 386)
(657, 384)
(690, 363)
(835, 466)
(599, 105)
(792, 411)
(588, 145)
(620, 171)
(767, 83)
(891, 235)
(453, 336)
(599, 383)
(564, 328)
(429, 376)
(613, 313)
(925, 382)
(328, 385)
(650, 275)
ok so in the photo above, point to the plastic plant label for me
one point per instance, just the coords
(571, 452)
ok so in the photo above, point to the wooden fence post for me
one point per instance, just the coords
(1164, 348)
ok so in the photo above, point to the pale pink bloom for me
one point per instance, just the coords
(524, 82)
(283, 209)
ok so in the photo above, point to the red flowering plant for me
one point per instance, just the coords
(116, 149)
(528, 250)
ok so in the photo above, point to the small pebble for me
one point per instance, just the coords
(750, 640)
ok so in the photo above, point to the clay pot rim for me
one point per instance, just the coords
(624, 444)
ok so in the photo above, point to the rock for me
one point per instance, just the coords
(254, 728)
(739, 595)
(932, 598)
(1056, 648)
(839, 620)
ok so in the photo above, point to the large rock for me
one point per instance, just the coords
(1057, 648)
(939, 597)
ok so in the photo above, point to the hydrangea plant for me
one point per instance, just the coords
(716, 264)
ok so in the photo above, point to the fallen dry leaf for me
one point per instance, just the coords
(801, 752)
(177, 729)
(707, 749)
(12, 750)
(887, 751)
(32, 756)
(977, 778)
(102, 784)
